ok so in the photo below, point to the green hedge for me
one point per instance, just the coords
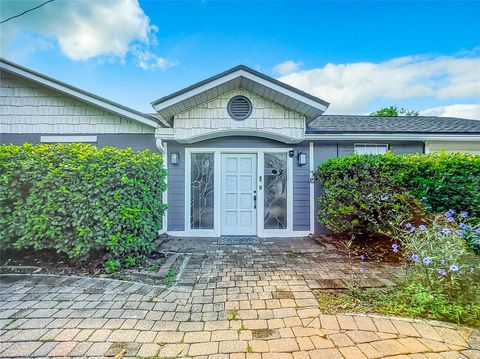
(361, 194)
(81, 200)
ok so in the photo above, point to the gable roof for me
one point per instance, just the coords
(393, 125)
(245, 78)
(79, 94)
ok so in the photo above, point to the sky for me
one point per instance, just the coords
(359, 56)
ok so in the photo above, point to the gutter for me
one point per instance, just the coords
(391, 136)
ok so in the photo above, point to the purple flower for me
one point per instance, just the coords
(478, 230)
(464, 214)
(362, 257)
(460, 232)
(442, 261)
(449, 213)
(413, 229)
(427, 261)
(362, 270)
(415, 257)
(465, 227)
(446, 231)
(450, 219)
(422, 227)
(477, 242)
(454, 268)
(395, 248)
(408, 225)
(442, 272)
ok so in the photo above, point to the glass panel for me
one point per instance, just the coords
(202, 191)
(275, 192)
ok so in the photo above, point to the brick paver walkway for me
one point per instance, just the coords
(231, 302)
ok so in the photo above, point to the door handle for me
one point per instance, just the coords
(254, 199)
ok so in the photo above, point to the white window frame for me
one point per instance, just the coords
(376, 145)
(217, 224)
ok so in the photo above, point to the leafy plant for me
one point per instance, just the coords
(365, 194)
(81, 200)
(394, 111)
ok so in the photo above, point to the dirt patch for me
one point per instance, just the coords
(283, 294)
(159, 268)
(265, 334)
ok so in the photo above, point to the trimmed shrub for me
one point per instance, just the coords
(366, 194)
(81, 200)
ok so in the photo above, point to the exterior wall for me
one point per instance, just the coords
(137, 142)
(323, 150)
(451, 146)
(213, 116)
(176, 178)
(27, 107)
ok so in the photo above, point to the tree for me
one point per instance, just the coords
(394, 111)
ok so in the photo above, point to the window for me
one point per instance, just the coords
(201, 206)
(275, 193)
(370, 149)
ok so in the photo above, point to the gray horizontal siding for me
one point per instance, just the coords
(324, 150)
(176, 189)
(137, 142)
(301, 190)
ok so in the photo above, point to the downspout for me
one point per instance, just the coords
(162, 147)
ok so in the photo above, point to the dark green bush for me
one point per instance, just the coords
(81, 200)
(363, 194)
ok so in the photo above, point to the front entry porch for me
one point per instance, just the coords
(239, 191)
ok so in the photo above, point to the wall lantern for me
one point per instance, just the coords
(174, 158)
(302, 158)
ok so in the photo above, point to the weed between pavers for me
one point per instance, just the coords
(169, 278)
(233, 314)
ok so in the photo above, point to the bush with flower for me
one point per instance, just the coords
(443, 273)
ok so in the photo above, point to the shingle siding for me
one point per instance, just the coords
(213, 116)
(27, 107)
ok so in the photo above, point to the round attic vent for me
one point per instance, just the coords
(239, 107)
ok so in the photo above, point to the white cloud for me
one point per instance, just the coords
(287, 67)
(147, 60)
(84, 29)
(471, 111)
(351, 87)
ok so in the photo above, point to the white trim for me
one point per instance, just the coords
(239, 73)
(384, 137)
(211, 234)
(68, 139)
(311, 159)
(240, 132)
(216, 232)
(77, 93)
(285, 234)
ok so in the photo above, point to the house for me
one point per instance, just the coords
(240, 146)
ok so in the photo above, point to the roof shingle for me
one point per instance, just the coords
(401, 124)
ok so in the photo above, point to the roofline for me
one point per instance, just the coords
(80, 94)
(446, 133)
(248, 70)
(393, 136)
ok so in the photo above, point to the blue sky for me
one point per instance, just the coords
(357, 55)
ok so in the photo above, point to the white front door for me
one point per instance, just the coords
(239, 185)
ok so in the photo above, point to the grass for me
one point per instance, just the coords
(169, 278)
(403, 302)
